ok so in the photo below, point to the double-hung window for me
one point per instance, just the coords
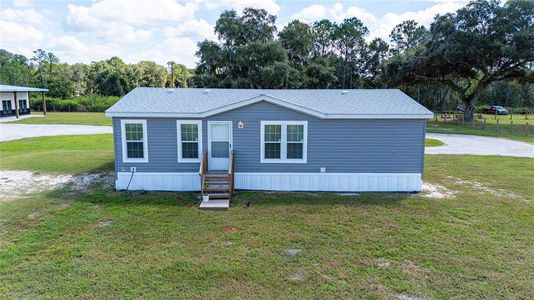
(134, 141)
(189, 140)
(284, 141)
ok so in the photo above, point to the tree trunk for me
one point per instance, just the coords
(442, 99)
(469, 113)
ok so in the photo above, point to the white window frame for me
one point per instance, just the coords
(179, 140)
(124, 145)
(283, 143)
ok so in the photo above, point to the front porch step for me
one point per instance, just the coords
(210, 190)
(216, 175)
(219, 195)
(219, 204)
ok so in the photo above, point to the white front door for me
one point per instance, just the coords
(219, 144)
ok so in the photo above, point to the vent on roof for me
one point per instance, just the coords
(170, 91)
(206, 91)
(344, 92)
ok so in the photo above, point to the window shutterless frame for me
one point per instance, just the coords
(179, 124)
(284, 142)
(125, 158)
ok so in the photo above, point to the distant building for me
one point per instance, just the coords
(16, 97)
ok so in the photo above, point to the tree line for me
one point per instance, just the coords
(111, 77)
(483, 53)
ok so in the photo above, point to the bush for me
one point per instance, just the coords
(91, 103)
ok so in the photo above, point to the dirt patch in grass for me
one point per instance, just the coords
(229, 229)
(15, 183)
(436, 191)
(293, 251)
(479, 187)
(104, 223)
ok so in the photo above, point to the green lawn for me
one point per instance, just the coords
(105, 244)
(433, 143)
(81, 118)
(59, 154)
(434, 127)
(505, 119)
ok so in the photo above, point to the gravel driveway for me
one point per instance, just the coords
(479, 145)
(9, 132)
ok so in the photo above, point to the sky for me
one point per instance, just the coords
(165, 30)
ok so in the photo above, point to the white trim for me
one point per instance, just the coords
(272, 100)
(230, 137)
(165, 181)
(283, 143)
(329, 182)
(125, 158)
(313, 182)
(179, 140)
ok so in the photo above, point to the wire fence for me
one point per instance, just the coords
(518, 124)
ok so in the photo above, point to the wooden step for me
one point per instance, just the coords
(219, 195)
(216, 175)
(225, 179)
(217, 182)
(212, 189)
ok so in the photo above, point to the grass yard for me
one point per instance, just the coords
(434, 127)
(97, 243)
(80, 118)
(505, 119)
(59, 154)
(433, 143)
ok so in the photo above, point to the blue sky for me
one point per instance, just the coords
(164, 30)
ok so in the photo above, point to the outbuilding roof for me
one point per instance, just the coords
(325, 103)
(15, 88)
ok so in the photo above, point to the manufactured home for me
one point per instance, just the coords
(274, 140)
(16, 99)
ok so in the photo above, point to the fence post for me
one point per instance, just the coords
(484, 125)
(497, 125)
(473, 123)
(511, 126)
(526, 129)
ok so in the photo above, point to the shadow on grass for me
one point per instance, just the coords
(102, 192)
(306, 198)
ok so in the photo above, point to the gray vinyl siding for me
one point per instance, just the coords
(341, 146)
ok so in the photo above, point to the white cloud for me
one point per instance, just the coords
(15, 33)
(70, 48)
(197, 27)
(22, 3)
(123, 33)
(311, 13)
(130, 12)
(269, 5)
(27, 16)
(175, 48)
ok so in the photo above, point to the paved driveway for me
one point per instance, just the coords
(9, 132)
(479, 145)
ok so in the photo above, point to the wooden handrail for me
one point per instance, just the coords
(202, 170)
(231, 172)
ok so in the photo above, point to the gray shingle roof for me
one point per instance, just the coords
(15, 88)
(194, 102)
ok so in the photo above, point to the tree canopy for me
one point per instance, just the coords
(482, 52)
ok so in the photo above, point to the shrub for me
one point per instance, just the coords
(91, 103)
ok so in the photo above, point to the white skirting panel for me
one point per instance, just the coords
(330, 182)
(327, 182)
(158, 181)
